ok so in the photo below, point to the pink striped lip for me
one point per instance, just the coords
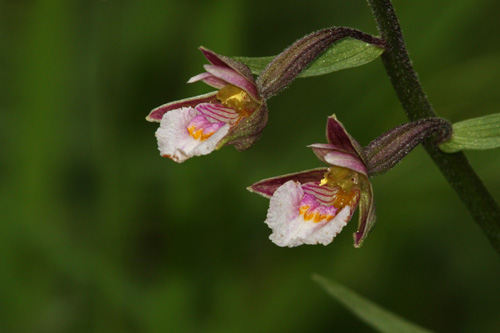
(313, 211)
(217, 112)
(201, 128)
(324, 194)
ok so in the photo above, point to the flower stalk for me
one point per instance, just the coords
(288, 64)
(390, 148)
(455, 167)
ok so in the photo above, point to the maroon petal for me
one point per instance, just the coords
(338, 136)
(220, 60)
(233, 77)
(208, 79)
(157, 114)
(213, 57)
(267, 187)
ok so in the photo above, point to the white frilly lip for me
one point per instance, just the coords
(289, 227)
(174, 140)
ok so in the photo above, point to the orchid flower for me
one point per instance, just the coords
(235, 114)
(312, 207)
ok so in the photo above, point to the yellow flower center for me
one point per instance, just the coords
(237, 99)
(347, 183)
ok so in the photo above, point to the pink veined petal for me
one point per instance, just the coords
(208, 79)
(346, 160)
(292, 226)
(217, 112)
(175, 141)
(233, 77)
(331, 155)
(308, 200)
(322, 149)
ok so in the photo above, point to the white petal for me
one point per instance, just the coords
(172, 134)
(289, 227)
(208, 146)
(174, 140)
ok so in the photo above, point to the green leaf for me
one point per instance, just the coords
(372, 314)
(345, 53)
(476, 133)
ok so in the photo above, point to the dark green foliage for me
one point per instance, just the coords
(98, 233)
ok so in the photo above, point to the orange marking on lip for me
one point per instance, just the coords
(303, 210)
(314, 216)
(343, 199)
(198, 133)
(321, 217)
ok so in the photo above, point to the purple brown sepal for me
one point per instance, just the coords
(367, 216)
(248, 130)
(156, 114)
(268, 186)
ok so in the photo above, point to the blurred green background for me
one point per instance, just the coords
(100, 234)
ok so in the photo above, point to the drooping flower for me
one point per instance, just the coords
(312, 207)
(233, 115)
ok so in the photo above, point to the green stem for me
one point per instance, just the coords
(455, 167)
